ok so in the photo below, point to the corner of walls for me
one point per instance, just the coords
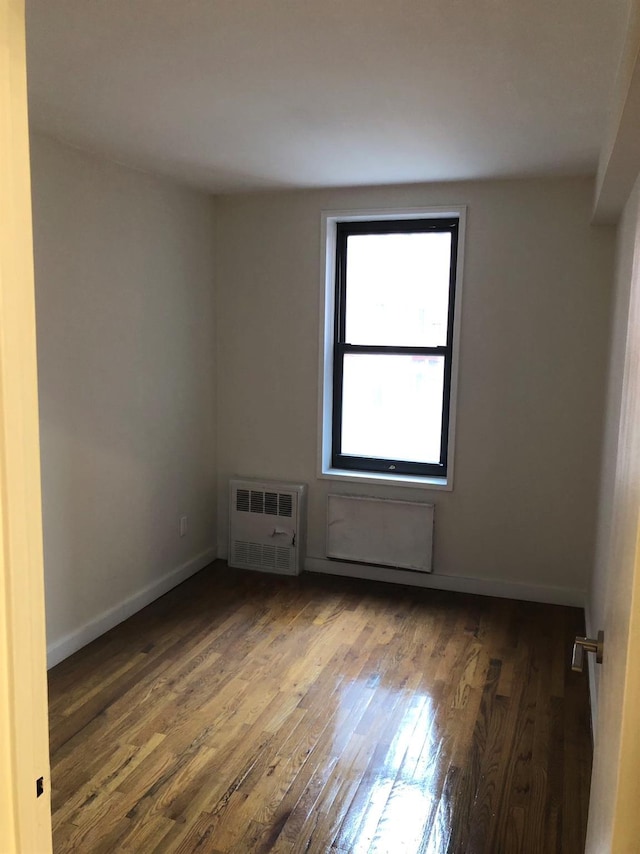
(220, 275)
(214, 409)
(65, 646)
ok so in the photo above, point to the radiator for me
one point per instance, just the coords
(266, 525)
(381, 532)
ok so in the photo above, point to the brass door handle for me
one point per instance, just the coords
(582, 645)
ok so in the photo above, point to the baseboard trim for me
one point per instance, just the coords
(58, 650)
(455, 583)
(591, 667)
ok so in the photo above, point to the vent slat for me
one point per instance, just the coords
(269, 557)
(240, 552)
(283, 558)
(271, 503)
(242, 500)
(257, 501)
(258, 556)
(285, 504)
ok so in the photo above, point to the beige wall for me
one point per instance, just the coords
(124, 284)
(535, 321)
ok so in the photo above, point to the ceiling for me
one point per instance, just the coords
(235, 95)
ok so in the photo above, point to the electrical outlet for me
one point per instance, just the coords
(183, 526)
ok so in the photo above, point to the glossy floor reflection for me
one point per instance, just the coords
(396, 798)
(248, 713)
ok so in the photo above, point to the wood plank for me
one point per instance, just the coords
(322, 714)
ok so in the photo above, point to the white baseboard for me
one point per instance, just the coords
(60, 649)
(459, 584)
(591, 663)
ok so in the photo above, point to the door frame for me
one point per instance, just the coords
(25, 818)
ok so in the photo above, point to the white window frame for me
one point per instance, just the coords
(327, 313)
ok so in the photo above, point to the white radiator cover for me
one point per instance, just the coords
(381, 532)
(266, 525)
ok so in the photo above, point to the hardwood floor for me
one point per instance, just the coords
(251, 713)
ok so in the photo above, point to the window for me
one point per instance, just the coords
(392, 345)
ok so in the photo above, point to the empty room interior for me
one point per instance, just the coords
(338, 321)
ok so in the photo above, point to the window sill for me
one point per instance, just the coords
(415, 481)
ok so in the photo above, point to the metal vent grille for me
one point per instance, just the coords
(283, 558)
(257, 556)
(271, 503)
(257, 501)
(266, 525)
(268, 503)
(285, 504)
(241, 552)
(269, 557)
